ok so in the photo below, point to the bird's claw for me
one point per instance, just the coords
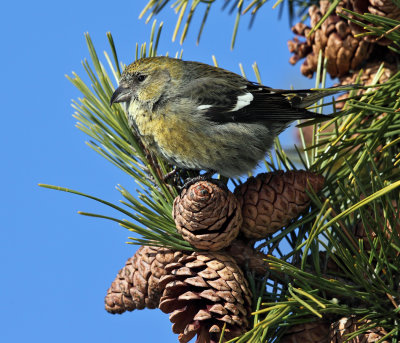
(204, 177)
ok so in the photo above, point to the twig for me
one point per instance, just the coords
(387, 32)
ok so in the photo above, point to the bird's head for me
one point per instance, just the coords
(146, 80)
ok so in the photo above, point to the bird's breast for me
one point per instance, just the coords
(187, 139)
(176, 137)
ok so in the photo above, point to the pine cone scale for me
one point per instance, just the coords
(271, 200)
(204, 302)
(137, 284)
(207, 216)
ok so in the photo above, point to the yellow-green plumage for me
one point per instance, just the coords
(201, 117)
(191, 142)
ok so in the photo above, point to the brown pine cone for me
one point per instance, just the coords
(334, 38)
(270, 201)
(248, 258)
(316, 332)
(207, 216)
(204, 291)
(383, 8)
(340, 330)
(367, 76)
(137, 284)
(369, 73)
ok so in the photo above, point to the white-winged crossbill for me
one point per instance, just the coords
(201, 117)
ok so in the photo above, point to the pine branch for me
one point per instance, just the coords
(113, 139)
(186, 12)
(357, 151)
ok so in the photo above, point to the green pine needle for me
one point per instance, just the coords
(357, 152)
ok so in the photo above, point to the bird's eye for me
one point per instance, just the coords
(141, 77)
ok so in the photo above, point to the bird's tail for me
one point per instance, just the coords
(302, 98)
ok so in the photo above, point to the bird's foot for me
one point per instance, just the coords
(177, 177)
(204, 177)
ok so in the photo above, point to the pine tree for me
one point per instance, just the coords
(335, 202)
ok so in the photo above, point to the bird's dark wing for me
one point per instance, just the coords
(224, 101)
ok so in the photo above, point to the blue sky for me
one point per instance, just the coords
(57, 265)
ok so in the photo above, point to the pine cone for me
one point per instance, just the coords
(270, 201)
(137, 284)
(340, 330)
(383, 8)
(207, 216)
(334, 38)
(368, 75)
(203, 291)
(248, 258)
(316, 332)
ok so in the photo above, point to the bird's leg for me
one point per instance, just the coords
(176, 177)
(170, 174)
(204, 177)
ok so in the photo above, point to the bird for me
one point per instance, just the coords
(201, 117)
